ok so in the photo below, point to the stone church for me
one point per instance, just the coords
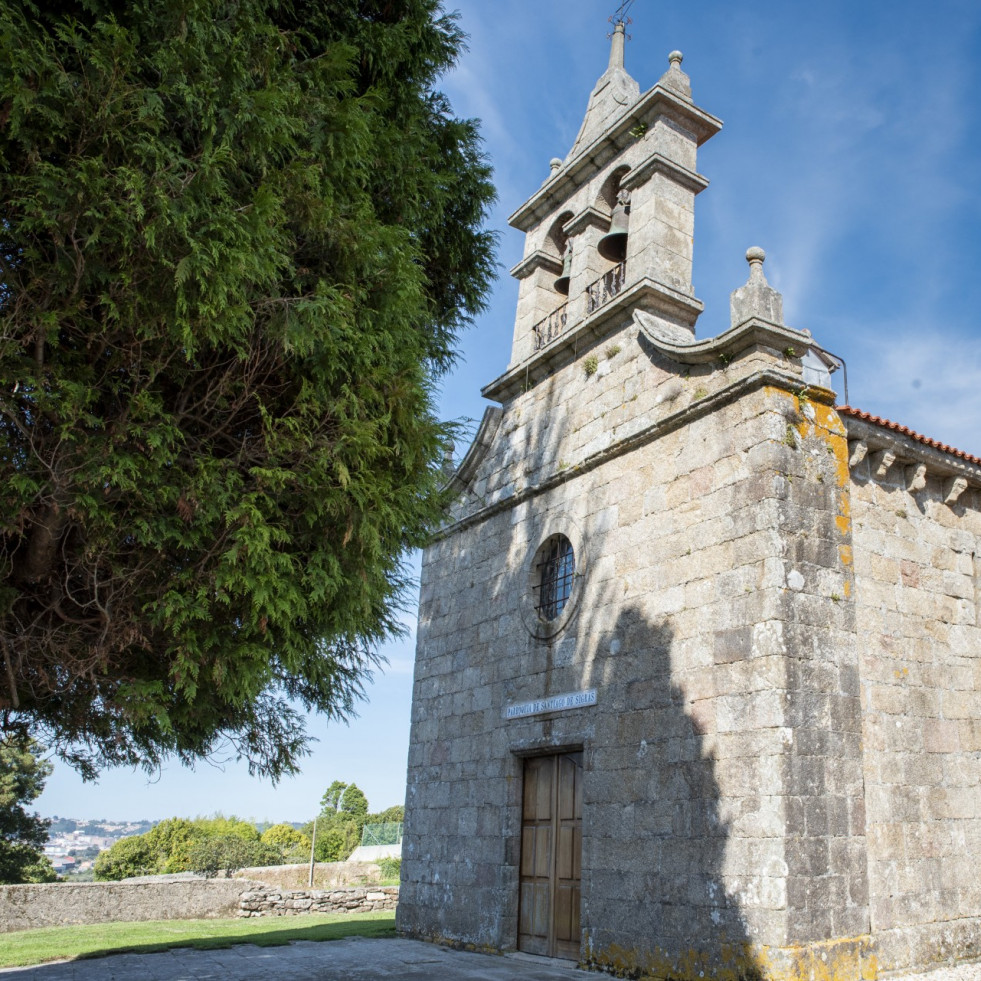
(697, 680)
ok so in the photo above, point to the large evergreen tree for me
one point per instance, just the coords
(22, 833)
(237, 241)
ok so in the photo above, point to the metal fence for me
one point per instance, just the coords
(382, 834)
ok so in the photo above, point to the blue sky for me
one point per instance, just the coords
(851, 152)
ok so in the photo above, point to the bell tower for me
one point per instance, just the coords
(611, 229)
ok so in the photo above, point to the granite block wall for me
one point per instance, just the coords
(723, 799)
(917, 601)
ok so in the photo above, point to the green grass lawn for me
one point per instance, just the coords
(27, 947)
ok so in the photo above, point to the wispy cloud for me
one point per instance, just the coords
(929, 380)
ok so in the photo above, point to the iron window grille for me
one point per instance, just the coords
(557, 571)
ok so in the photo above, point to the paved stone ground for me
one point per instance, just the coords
(357, 959)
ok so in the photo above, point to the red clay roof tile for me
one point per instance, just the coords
(848, 410)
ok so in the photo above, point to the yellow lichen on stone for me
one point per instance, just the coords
(825, 424)
(848, 959)
(820, 420)
(734, 962)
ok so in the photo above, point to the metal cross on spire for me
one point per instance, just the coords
(620, 17)
(621, 13)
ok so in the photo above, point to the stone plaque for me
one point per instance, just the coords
(555, 703)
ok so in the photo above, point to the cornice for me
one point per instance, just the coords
(676, 345)
(585, 218)
(883, 454)
(562, 349)
(537, 260)
(765, 377)
(660, 164)
(462, 478)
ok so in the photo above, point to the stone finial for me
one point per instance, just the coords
(755, 256)
(757, 298)
(554, 164)
(674, 78)
(449, 466)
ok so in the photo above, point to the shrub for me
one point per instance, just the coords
(229, 853)
(126, 858)
(391, 868)
(290, 844)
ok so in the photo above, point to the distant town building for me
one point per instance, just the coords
(697, 676)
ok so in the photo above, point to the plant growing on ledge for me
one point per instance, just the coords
(590, 365)
(236, 249)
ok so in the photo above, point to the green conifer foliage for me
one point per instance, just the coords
(22, 834)
(238, 239)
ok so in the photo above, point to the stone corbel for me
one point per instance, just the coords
(880, 462)
(859, 450)
(915, 476)
(953, 488)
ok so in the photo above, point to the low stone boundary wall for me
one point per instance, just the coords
(281, 902)
(70, 903)
(326, 875)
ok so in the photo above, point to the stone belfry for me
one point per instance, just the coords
(612, 228)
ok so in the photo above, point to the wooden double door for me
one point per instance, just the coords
(551, 856)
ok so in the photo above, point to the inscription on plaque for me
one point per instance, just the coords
(554, 703)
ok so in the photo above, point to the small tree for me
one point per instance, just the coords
(391, 868)
(331, 800)
(338, 841)
(391, 815)
(172, 846)
(170, 842)
(221, 825)
(344, 810)
(355, 803)
(338, 834)
(22, 835)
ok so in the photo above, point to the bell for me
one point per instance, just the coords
(613, 245)
(561, 285)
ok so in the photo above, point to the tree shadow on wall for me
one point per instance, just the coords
(655, 899)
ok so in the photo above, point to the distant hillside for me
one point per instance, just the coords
(103, 827)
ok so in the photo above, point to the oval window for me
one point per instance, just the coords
(556, 573)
